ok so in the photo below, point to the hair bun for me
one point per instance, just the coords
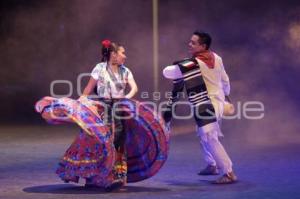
(106, 43)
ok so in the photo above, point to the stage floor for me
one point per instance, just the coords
(29, 155)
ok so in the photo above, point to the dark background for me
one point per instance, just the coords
(259, 41)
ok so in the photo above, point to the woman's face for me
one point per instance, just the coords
(121, 57)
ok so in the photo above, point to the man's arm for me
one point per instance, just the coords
(172, 72)
(225, 80)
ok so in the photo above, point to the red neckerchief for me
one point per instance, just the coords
(207, 57)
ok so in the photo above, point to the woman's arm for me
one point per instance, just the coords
(89, 87)
(133, 88)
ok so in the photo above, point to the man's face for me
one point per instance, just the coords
(195, 46)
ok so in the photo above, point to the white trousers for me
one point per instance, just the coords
(214, 152)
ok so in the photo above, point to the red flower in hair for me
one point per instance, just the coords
(106, 43)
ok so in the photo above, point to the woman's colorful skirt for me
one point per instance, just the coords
(92, 154)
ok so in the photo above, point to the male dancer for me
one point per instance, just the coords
(206, 83)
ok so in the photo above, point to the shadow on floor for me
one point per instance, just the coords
(207, 185)
(74, 189)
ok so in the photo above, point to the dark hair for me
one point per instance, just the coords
(204, 38)
(106, 51)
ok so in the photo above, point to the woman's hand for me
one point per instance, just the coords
(133, 89)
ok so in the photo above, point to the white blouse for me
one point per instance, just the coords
(109, 84)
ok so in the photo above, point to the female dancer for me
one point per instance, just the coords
(111, 148)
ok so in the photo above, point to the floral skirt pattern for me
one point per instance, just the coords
(92, 154)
